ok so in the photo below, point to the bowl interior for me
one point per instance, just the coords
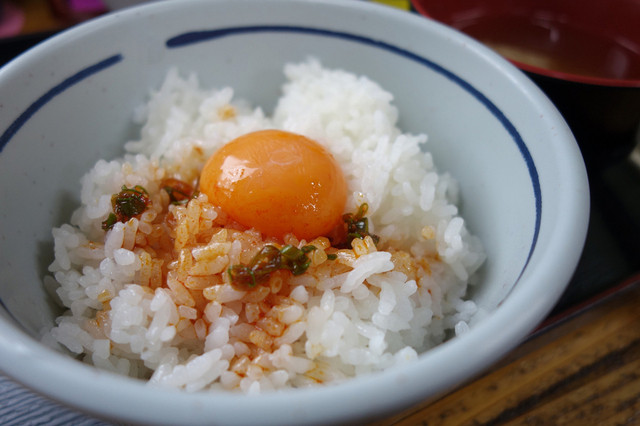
(72, 100)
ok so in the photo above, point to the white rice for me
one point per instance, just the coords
(365, 320)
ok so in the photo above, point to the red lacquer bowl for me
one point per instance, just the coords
(584, 55)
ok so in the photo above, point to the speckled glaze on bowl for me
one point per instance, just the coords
(68, 102)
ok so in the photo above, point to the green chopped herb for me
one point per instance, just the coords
(295, 259)
(179, 191)
(355, 225)
(332, 256)
(269, 260)
(110, 221)
(128, 203)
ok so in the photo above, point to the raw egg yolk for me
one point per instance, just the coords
(278, 183)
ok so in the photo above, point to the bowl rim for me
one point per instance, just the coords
(576, 78)
(57, 365)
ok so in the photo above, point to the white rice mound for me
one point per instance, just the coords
(377, 313)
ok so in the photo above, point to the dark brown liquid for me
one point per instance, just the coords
(556, 46)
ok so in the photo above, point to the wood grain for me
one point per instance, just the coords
(584, 371)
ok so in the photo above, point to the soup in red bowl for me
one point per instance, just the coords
(584, 55)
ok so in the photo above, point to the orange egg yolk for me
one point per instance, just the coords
(277, 183)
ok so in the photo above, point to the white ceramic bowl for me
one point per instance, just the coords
(121, 4)
(68, 102)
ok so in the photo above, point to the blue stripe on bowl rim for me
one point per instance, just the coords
(53, 92)
(50, 94)
(190, 38)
